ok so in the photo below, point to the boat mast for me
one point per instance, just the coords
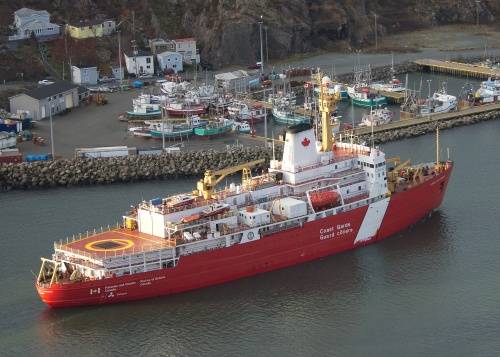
(437, 145)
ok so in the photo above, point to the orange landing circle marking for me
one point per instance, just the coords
(124, 244)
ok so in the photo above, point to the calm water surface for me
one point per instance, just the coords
(431, 290)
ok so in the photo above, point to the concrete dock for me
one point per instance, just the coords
(457, 68)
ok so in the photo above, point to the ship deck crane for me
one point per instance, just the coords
(211, 178)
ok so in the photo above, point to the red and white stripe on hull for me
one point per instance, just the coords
(316, 239)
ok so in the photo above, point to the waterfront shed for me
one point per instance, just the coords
(56, 97)
(84, 74)
(233, 81)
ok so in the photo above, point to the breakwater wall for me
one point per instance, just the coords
(89, 171)
(428, 127)
(382, 72)
(86, 171)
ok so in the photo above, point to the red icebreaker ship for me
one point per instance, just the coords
(313, 203)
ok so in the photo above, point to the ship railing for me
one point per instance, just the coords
(82, 236)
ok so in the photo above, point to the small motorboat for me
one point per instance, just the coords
(215, 209)
(179, 200)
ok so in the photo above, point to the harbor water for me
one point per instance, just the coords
(430, 290)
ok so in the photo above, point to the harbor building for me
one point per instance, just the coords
(170, 60)
(90, 28)
(84, 74)
(236, 81)
(39, 102)
(28, 22)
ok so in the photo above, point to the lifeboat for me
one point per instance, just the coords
(191, 218)
(325, 199)
(180, 200)
(214, 209)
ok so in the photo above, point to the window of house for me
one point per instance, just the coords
(148, 59)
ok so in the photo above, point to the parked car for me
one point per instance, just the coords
(45, 82)
(255, 66)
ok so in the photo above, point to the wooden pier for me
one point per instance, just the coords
(269, 107)
(392, 97)
(458, 69)
(426, 119)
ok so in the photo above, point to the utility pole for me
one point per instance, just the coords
(134, 50)
(119, 32)
(261, 47)
(376, 32)
(51, 133)
(65, 52)
(477, 12)
(267, 49)
(133, 24)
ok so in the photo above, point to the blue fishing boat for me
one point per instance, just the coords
(285, 115)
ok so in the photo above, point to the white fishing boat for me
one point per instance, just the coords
(243, 127)
(376, 117)
(393, 85)
(241, 111)
(488, 92)
(440, 102)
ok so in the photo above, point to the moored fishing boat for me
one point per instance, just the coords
(285, 115)
(219, 127)
(376, 117)
(184, 109)
(242, 127)
(145, 106)
(362, 97)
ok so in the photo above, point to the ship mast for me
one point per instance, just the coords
(437, 146)
(327, 106)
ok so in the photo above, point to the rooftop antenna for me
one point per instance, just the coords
(373, 145)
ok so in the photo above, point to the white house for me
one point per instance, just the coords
(187, 47)
(28, 21)
(84, 75)
(139, 63)
(170, 60)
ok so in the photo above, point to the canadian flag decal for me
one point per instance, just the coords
(306, 142)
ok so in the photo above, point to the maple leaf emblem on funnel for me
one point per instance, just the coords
(306, 142)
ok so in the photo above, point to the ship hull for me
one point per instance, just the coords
(316, 239)
(186, 112)
(369, 102)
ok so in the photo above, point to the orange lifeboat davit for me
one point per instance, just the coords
(325, 199)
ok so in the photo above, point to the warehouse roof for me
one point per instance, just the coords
(50, 90)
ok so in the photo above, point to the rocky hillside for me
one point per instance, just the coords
(228, 32)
